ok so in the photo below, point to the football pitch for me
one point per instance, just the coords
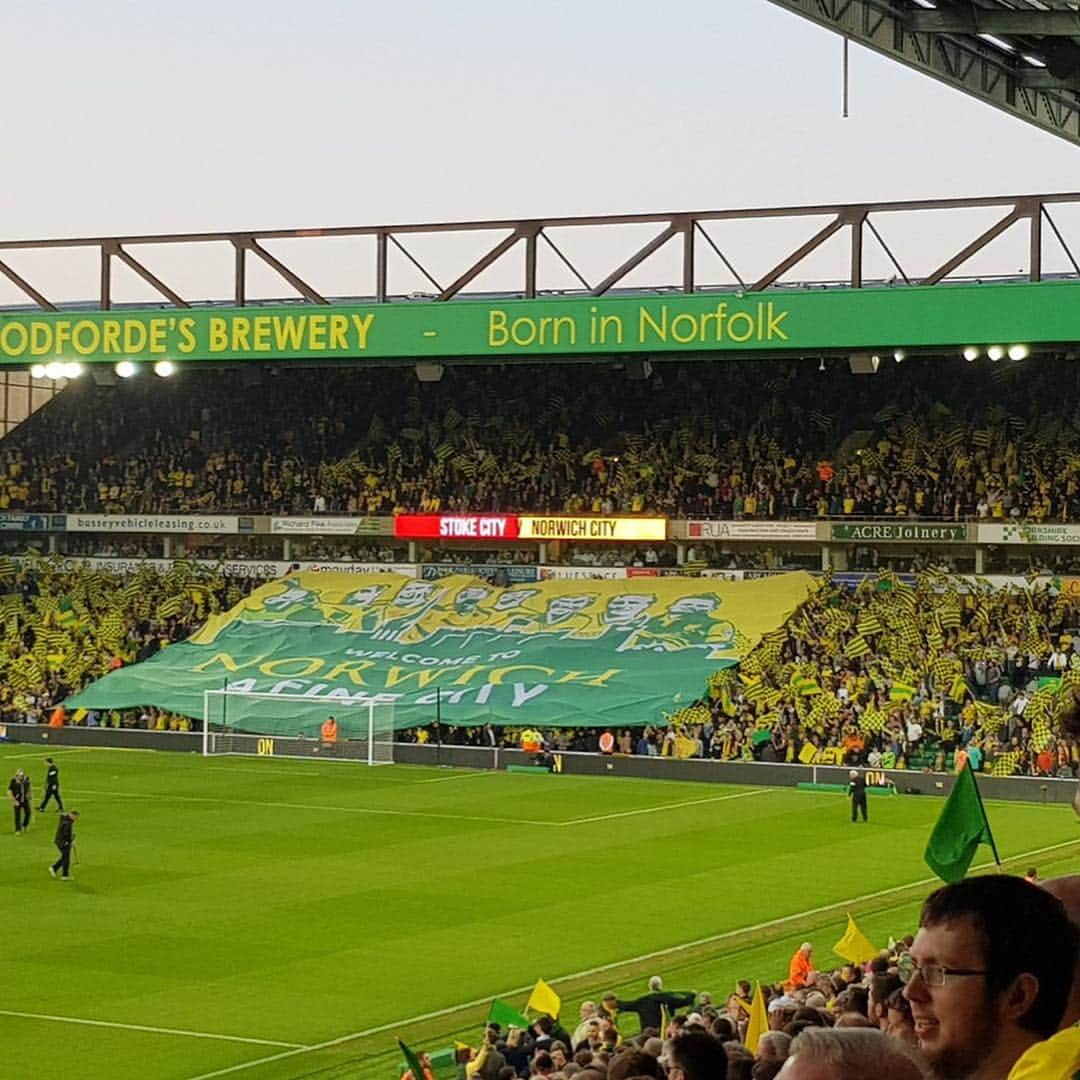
(268, 919)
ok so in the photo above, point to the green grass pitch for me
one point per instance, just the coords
(267, 919)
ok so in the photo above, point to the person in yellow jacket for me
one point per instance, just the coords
(1058, 1058)
(532, 742)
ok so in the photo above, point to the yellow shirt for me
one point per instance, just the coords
(1057, 1058)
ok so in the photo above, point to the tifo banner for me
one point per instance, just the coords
(557, 653)
(1029, 312)
(1015, 533)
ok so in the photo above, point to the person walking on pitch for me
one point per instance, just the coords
(52, 787)
(19, 790)
(65, 841)
(856, 790)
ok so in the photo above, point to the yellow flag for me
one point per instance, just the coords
(664, 1021)
(759, 1021)
(544, 1000)
(853, 946)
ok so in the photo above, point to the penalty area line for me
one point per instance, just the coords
(396, 1025)
(86, 1022)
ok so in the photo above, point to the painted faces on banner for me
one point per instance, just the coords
(627, 608)
(562, 608)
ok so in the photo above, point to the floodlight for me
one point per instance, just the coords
(1019, 352)
(54, 370)
(164, 368)
(971, 353)
(995, 352)
(37, 371)
(125, 369)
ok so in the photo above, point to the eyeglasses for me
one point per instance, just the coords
(931, 974)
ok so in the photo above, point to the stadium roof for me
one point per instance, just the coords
(1021, 56)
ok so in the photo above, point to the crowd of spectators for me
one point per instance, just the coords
(988, 989)
(754, 439)
(64, 628)
(893, 676)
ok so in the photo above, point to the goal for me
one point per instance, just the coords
(290, 725)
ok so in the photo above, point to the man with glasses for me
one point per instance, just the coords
(988, 974)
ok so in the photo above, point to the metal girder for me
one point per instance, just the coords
(860, 223)
(947, 49)
(999, 21)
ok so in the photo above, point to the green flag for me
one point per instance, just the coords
(960, 829)
(413, 1061)
(506, 1015)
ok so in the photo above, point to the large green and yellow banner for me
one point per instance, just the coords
(556, 653)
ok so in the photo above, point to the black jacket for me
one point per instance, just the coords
(65, 831)
(20, 789)
(857, 788)
(52, 777)
(648, 1007)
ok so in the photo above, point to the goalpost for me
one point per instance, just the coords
(291, 725)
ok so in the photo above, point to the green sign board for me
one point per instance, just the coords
(555, 653)
(910, 317)
(903, 533)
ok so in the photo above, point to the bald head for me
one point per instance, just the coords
(1067, 890)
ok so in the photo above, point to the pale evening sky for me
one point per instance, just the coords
(135, 117)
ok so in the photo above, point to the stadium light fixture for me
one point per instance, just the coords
(54, 369)
(37, 371)
(1019, 352)
(971, 353)
(72, 369)
(164, 368)
(995, 352)
(899, 355)
(125, 369)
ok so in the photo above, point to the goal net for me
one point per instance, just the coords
(292, 725)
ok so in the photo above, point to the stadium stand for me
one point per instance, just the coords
(928, 438)
(893, 674)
